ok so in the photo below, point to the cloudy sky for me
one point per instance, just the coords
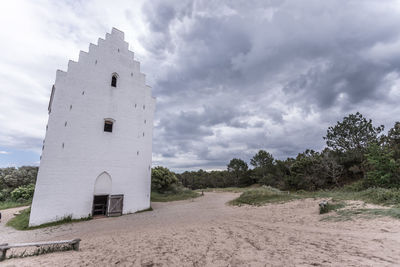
(230, 77)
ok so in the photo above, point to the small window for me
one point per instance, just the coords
(108, 126)
(114, 81)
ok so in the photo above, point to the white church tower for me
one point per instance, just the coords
(96, 156)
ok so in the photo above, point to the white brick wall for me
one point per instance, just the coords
(77, 150)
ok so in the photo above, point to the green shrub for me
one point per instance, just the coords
(262, 195)
(354, 187)
(23, 193)
(383, 169)
(381, 196)
(4, 194)
(178, 194)
(162, 179)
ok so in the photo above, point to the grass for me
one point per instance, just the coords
(226, 189)
(349, 214)
(263, 195)
(379, 196)
(13, 204)
(21, 221)
(173, 196)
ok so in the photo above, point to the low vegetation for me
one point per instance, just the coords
(388, 198)
(227, 189)
(173, 195)
(263, 195)
(12, 204)
(21, 221)
(17, 186)
(165, 186)
(349, 214)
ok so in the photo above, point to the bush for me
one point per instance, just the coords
(23, 193)
(383, 169)
(162, 179)
(179, 194)
(354, 187)
(4, 194)
(381, 196)
(262, 195)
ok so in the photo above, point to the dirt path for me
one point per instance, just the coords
(207, 232)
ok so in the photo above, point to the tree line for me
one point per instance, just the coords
(356, 150)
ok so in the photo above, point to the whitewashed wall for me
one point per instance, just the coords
(77, 150)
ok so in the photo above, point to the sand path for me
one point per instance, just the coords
(207, 232)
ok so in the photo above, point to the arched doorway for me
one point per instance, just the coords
(102, 190)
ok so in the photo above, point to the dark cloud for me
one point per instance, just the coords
(238, 76)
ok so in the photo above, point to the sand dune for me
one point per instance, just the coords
(207, 232)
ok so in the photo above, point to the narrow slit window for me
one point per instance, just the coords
(108, 126)
(114, 81)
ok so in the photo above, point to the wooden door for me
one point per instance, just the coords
(115, 205)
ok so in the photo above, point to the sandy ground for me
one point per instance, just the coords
(207, 232)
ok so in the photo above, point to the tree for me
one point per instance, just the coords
(305, 172)
(383, 169)
(349, 139)
(352, 134)
(238, 169)
(162, 178)
(393, 140)
(313, 170)
(264, 169)
(333, 170)
(262, 159)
